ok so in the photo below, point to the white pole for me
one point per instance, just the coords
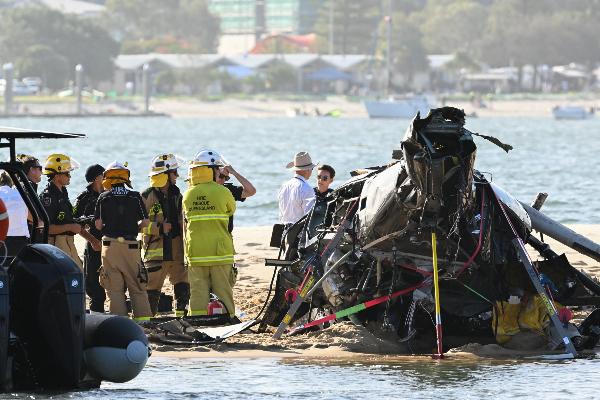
(389, 45)
(331, 27)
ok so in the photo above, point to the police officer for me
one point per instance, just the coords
(120, 213)
(55, 199)
(85, 206)
(162, 248)
(209, 250)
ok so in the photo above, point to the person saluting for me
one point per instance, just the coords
(120, 214)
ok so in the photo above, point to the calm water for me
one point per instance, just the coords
(558, 157)
(374, 378)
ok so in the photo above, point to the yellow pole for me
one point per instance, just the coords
(438, 317)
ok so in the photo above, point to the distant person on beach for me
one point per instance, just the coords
(296, 197)
(18, 214)
(325, 175)
(240, 193)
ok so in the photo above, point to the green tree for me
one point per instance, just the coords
(165, 81)
(462, 60)
(80, 41)
(141, 20)
(256, 82)
(43, 62)
(281, 78)
(408, 54)
(450, 27)
(354, 22)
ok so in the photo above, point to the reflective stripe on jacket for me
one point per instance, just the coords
(207, 207)
(152, 233)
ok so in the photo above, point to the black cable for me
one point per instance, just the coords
(268, 295)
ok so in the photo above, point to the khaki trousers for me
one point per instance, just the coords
(201, 281)
(176, 270)
(67, 244)
(121, 265)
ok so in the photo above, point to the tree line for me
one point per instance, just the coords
(45, 42)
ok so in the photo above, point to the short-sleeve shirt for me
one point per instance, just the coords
(85, 206)
(57, 206)
(120, 210)
(236, 192)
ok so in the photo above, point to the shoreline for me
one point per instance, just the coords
(339, 340)
(270, 108)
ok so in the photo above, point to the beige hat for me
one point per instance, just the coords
(301, 162)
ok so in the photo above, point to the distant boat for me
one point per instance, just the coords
(398, 106)
(572, 112)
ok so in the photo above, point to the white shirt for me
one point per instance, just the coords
(296, 198)
(17, 211)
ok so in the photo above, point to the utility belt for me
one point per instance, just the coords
(69, 233)
(130, 240)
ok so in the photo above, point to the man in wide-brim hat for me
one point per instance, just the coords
(296, 196)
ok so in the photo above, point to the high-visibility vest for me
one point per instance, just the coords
(207, 208)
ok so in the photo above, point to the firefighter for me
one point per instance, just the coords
(120, 214)
(85, 206)
(55, 199)
(162, 248)
(209, 250)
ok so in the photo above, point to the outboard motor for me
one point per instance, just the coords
(115, 349)
(47, 308)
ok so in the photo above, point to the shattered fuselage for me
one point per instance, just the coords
(431, 186)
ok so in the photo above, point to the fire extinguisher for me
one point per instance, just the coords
(216, 306)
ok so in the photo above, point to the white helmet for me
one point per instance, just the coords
(206, 158)
(165, 162)
(116, 165)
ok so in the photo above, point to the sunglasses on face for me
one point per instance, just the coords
(322, 178)
(37, 167)
(67, 174)
(226, 177)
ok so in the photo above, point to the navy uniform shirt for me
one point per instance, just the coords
(236, 192)
(85, 206)
(120, 210)
(57, 206)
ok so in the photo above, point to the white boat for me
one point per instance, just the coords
(572, 113)
(399, 106)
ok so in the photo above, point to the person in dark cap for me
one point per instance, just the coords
(85, 206)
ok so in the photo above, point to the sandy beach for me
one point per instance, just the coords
(261, 108)
(340, 340)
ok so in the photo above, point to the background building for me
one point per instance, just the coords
(245, 22)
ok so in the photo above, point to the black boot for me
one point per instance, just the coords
(153, 298)
(182, 298)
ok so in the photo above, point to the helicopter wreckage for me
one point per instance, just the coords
(427, 241)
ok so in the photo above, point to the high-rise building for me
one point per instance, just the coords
(258, 17)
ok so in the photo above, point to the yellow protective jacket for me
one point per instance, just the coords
(152, 236)
(207, 207)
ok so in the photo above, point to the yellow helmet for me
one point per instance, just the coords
(114, 173)
(60, 164)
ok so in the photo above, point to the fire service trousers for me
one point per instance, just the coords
(121, 264)
(201, 281)
(177, 272)
(67, 244)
